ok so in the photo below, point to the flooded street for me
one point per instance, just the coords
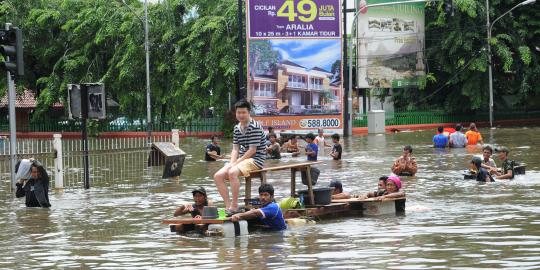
(449, 222)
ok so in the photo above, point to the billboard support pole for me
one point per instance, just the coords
(240, 91)
(346, 130)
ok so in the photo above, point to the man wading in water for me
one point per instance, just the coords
(33, 183)
(248, 154)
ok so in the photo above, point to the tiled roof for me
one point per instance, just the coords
(26, 100)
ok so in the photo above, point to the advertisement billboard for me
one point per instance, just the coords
(390, 44)
(295, 64)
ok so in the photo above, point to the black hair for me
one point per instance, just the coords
(477, 161)
(267, 188)
(293, 137)
(458, 127)
(408, 148)
(43, 175)
(310, 136)
(337, 185)
(335, 136)
(272, 135)
(440, 129)
(487, 147)
(383, 178)
(213, 137)
(243, 103)
(270, 128)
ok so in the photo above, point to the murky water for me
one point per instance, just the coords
(450, 222)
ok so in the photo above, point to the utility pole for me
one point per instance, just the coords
(489, 66)
(147, 51)
(11, 41)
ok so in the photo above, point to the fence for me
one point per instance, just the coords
(114, 162)
(434, 117)
(199, 125)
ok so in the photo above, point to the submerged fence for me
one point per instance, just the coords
(193, 126)
(114, 162)
(434, 117)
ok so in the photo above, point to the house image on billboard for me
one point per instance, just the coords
(291, 89)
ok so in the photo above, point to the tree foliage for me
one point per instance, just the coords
(193, 51)
(456, 49)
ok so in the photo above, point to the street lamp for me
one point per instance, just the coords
(489, 27)
(147, 51)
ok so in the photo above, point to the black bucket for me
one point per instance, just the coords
(323, 196)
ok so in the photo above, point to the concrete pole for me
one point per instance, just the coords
(147, 51)
(58, 162)
(490, 74)
(176, 137)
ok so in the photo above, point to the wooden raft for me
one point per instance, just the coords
(294, 167)
(360, 200)
(177, 221)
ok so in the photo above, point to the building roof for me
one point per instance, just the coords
(289, 63)
(26, 100)
(320, 69)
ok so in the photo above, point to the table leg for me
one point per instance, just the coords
(248, 191)
(293, 182)
(310, 186)
(263, 178)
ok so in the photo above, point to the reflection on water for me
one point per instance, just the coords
(449, 221)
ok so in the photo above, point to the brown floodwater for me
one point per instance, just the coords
(449, 222)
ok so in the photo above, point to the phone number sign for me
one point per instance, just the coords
(294, 18)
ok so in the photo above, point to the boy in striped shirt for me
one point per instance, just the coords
(248, 154)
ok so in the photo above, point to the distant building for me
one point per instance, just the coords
(291, 89)
(25, 104)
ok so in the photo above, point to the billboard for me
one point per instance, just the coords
(294, 64)
(390, 44)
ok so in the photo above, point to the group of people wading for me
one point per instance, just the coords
(251, 147)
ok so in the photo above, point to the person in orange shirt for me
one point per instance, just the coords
(473, 136)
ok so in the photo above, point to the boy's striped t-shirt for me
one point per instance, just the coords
(253, 135)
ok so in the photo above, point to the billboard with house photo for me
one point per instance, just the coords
(295, 66)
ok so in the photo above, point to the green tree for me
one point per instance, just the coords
(193, 52)
(457, 57)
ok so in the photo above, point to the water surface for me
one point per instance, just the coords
(450, 222)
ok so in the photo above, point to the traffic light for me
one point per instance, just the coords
(11, 47)
(448, 7)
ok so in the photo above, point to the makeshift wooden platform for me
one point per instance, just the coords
(194, 221)
(294, 167)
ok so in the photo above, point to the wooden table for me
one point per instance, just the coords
(294, 167)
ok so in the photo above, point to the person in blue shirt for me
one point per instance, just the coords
(440, 140)
(312, 150)
(269, 214)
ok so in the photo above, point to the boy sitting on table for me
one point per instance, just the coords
(269, 214)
